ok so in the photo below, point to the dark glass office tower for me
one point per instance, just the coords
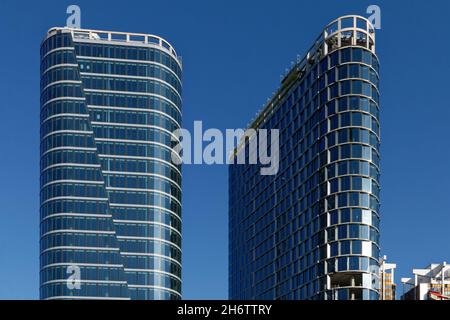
(110, 195)
(312, 230)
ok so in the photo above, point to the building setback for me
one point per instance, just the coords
(110, 195)
(387, 280)
(431, 283)
(312, 230)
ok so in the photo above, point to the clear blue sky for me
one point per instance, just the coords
(234, 53)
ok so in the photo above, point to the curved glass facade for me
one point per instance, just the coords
(110, 195)
(312, 230)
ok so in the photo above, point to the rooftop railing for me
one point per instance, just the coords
(350, 30)
(124, 37)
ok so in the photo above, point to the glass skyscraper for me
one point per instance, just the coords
(312, 230)
(110, 194)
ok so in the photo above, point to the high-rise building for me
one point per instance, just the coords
(312, 230)
(110, 195)
(387, 280)
(431, 283)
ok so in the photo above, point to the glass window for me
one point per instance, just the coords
(365, 72)
(342, 263)
(354, 231)
(354, 71)
(354, 199)
(354, 135)
(356, 247)
(343, 71)
(331, 139)
(345, 119)
(334, 60)
(331, 76)
(343, 103)
(367, 57)
(342, 168)
(345, 247)
(345, 215)
(334, 217)
(345, 87)
(356, 183)
(346, 151)
(366, 153)
(345, 55)
(357, 55)
(334, 186)
(354, 167)
(366, 216)
(356, 119)
(365, 263)
(345, 183)
(366, 89)
(356, 215)
(357, 87)
(354, 263)
(366, 185)
(342, 200)
(334, 248)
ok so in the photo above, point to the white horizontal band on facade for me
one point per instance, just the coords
(110, 156)
(130, 125)
(67, 132)
(92, 58)
(85, 231)
(167, 211)
(144, 254)
(57, 49)
(69, 149)
(119, 76)
(356, 63)
(146, 223)
(81, 248)
(82, 99)
(73, 181)
(79, 57)
(138, 222)
(69, 164)
(134, 141)
(75, 198)
(61, 115)
(84, 215)
(144, 110)
(60, 65)
(154, 271)
(143, 94)
(149, 239)
(153, 287)
(144, 190)
(144, 174)
(62, 82)
(85, 281)
(98, 265)
(144, 206)
(84, 298)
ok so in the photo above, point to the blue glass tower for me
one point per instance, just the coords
(312, 230)
(110, 194)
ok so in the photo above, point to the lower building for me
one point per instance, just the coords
(387, 281)
(431, 283)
